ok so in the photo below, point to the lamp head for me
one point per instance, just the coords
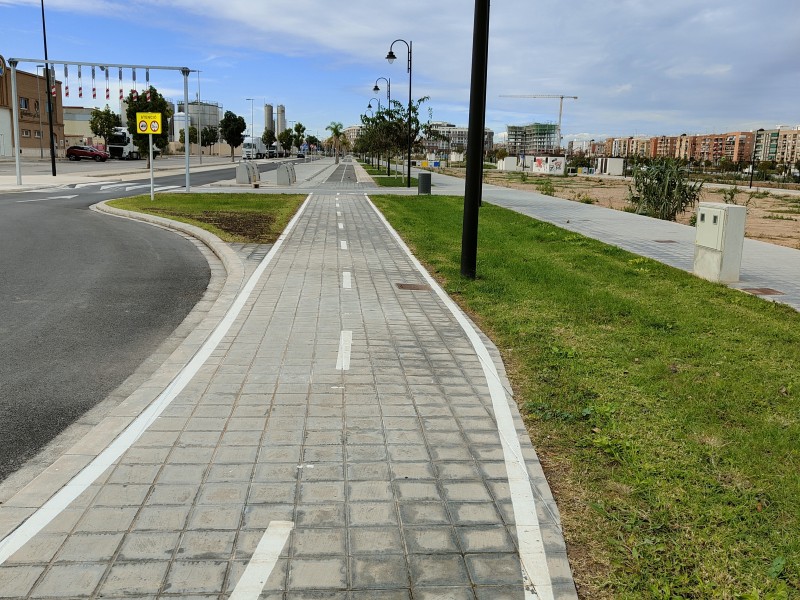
(376, 88)
(390, 57)
(369, 106)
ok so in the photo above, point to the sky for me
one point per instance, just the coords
(637, 67)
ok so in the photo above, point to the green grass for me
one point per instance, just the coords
(665, 408)
(256, 218)
(394, 181)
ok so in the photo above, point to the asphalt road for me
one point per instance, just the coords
(85, 298)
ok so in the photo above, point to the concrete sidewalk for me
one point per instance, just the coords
(766, 268)
(343, 432)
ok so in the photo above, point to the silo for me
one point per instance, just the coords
(281, 118)
(269, 121)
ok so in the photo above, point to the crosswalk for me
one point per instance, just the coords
(112, 186)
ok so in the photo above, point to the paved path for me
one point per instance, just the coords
(346, 437)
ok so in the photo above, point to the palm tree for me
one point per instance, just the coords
(336, 135)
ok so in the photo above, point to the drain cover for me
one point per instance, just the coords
(762, 291)
(413, 286)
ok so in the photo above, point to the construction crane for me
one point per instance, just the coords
(560, 105)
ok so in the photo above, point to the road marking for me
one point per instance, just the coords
(338, 212)
(345, 345)
(346, 283)
(164, 188)
(137, 187)
(341, 225)
(89, 474)
(50, 198)
(111, 186)
(343, 245)
(531, 546)
(337, 205)
(258, 570)
(85, 185)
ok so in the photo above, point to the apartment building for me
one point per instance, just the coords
(455, 138)
(351, 133)
(33, 126)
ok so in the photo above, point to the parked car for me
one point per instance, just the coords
(79, 152)
(300, 155)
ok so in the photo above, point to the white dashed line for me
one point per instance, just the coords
(346, 283)
(341, 225)
(343, 245)
(345, 344)
(258, 570)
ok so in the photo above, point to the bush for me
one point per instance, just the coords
(546, 187)
(662, 190)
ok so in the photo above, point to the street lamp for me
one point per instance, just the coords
(251, 124)
(753, 155)
(376, 89)
(369, 106)
(391, 58)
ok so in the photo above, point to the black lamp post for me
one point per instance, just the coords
(376, 89)
(49, 97)
(753, 155)
(391, 57)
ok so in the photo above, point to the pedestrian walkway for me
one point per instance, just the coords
(344, 433)
(766, 268)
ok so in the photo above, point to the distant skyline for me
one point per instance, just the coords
(638, 68)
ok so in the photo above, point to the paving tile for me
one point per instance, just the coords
(317, 573)
(368, 514)
(89, 547)
(73, 580)
(128, 578)
(206, 545)
(375, 540)
(378, 572)
(317, 542)
(437, 569)
(195, 577)
(494, 569)
(17, 581)
(431, 540)
(40, 549)
(153, 546)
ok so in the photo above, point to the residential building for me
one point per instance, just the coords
(33, 125)
(455, 138)
(351, 133)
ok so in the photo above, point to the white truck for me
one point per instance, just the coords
(253, 147)
(120, 145)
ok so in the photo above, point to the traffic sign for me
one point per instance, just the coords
(2, 66)
(148, 123)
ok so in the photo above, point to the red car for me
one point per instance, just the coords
(79, 152)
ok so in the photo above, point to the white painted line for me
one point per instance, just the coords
(337, 204)
(346, 283)
(258, 570)
(531, 545)
(341, 225)
(165, 187)
(343, 245)
(111, 186)
(83, 185)
(345, 345)
(78, 484)
(338, 212)
(50, 198)
(136, 187)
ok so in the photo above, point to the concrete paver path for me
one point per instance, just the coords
(349, 437)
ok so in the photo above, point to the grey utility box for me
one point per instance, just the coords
(719, 240)
(423, 183)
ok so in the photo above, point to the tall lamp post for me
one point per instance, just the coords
(391, 58)
(753, 155)
(49, 97)
(251, 120)
(376, 89)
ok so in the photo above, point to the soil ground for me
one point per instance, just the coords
(772, 216)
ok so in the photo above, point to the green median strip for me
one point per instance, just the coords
(665, 409)
(254, 218)
(393, 181)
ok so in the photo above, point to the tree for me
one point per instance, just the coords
(313, 142)
(192, 135)
(662, 189)
(102, 123)
(157, 104)
(285, 140)
(231, 128)
(336, 130)
(210, 135)
(268, 137)
(299, 135)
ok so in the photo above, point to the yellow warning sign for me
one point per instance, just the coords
(148, 123)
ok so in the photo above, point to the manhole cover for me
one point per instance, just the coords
(413, 286)
(762, 291)
(665, 241)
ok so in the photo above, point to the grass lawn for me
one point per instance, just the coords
(258, 218)
(666, 409)
(394, 181)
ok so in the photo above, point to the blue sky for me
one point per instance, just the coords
(638, 67)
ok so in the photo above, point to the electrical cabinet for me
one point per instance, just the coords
(719, 240)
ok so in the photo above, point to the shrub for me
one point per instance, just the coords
(662, 190)
(546, 187)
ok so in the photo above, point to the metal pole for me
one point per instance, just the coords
(477, 120)
(39, 100)
(199, 120)
(49, 97)
(152, 183)
(408, 181)
(15, 113)
(185, 73)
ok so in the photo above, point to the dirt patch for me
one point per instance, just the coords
(256, 227)
(771, 216)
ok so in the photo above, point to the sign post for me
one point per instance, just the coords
(149, 124)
